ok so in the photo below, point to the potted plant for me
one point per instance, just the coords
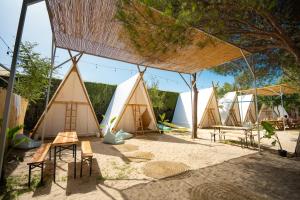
(271, 134)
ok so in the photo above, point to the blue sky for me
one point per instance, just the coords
(37, 29)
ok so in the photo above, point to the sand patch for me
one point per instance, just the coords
(162, 169)
(139, 156)
(126, 147)
(221, 190)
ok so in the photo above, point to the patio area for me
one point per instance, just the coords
(172, 165)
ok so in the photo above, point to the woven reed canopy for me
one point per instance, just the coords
(4, 72)
(272, 90)
(89, 26)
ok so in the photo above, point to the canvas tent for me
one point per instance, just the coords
(267, 113)
(229, 109)
(131, 107)
(247, 108)
(70, 109)
(207, 114)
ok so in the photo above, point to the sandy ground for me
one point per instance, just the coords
(119, 171)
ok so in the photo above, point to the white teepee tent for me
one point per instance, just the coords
(247, 108)
(70, 109)
(207, 112)
(229, 109)
(131, 107)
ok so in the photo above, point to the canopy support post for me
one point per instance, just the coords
(255, 96)
(194, 105)
(10, 86)
(53, 52)
(281, 99)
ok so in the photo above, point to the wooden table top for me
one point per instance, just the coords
(65, 138)
(232, 127)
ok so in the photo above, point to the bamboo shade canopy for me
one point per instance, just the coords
(272, 90)
(89, 26)
(4, 72)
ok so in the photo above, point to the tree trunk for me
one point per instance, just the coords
(194, 106)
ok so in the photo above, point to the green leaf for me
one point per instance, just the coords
(112, 120)
(270, 130)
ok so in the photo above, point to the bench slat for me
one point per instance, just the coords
(86, 149)
(40, 154)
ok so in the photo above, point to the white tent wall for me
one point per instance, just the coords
(229, 104)
(131, 92)
(206, 100)
(70, 91)
(247, 108)
(280, 111)
(266, 113)
(117, 102)
(183, 110)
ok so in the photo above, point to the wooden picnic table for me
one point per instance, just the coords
(245, 129)
(63, 141)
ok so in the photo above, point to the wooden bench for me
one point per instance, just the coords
(39, 159)
(86, 155)
(213, 135)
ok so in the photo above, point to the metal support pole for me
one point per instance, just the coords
(194, 105)
(255, 96)
(53, 51)
(11, 85)
(281, 99)
(185, 81)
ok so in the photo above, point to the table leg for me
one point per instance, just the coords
(91, 163)
(42, 173)
(74, 147)
(54, 168)
(50, 153)
(60, 152)
(246, 134)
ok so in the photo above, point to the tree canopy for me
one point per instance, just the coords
(33, 72)
(270, 28)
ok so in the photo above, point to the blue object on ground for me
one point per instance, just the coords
(28, 143)
(122, 135)
(110, 138)
(163, 127)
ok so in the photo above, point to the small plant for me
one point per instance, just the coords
(11, 143)
(270, 133)
(163, 118)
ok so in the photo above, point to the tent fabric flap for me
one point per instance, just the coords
(130, 103)
(207, 113)
(247, 108)
(229, 109)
